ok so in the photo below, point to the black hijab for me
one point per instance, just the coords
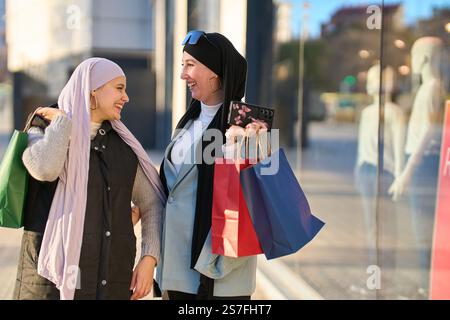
(218, 53)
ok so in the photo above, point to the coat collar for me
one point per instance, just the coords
(186, 167)
(99, 142)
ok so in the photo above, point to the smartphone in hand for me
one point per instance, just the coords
(242, 113)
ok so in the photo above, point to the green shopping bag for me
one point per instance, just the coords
(14, 180)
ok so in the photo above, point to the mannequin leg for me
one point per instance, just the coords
(422, 200)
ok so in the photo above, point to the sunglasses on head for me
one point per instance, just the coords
(193, 37)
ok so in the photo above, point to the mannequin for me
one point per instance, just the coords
(422, 149)
(367, 164)
(394, 125)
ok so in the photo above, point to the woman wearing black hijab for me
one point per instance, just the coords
(215, 73)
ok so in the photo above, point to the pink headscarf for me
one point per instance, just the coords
(61, 244)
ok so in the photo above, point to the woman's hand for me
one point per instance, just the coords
(142, 280)
(400, 185)
(251, 129)
(135, 214)
(255, 127)
(49, 113)
(234, 132)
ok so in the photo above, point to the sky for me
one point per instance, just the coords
(320, 11)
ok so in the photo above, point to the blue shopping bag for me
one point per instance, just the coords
(278, 207)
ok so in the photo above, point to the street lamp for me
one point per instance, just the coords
(301, 64)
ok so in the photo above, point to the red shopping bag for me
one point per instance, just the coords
(232, 231)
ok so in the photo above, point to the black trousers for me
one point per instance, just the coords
(177, 295)
(205, 292)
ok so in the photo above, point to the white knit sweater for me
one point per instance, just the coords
(44, 159)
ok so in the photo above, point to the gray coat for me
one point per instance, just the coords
(233, 276)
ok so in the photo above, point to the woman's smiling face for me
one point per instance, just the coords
(203, 83)
(108, 101)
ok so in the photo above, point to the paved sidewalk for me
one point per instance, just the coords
(334, 265)
(9, 257)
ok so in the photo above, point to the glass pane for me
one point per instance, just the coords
(416, 56)
(338, 45)
(373, 99)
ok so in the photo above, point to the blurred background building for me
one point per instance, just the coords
(47, 39)
(3, 52)
(247, 23)
(142, 36)
(283, 21)
(6, 124)
(41, 42)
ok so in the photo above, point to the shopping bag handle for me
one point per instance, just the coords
(258, 148)
(237, 155)
(30, 120)
(245, 140)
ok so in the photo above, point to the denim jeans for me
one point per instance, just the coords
(385, 233)
(422, 199)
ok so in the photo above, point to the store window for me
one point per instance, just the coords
(373, 159)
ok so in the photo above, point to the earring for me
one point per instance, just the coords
(96, 103)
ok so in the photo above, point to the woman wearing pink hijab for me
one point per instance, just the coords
(85, 168)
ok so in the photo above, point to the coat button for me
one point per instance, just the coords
(107, 233)
(171, 199)
(96, 148)
(109, 188)
(103, 282)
